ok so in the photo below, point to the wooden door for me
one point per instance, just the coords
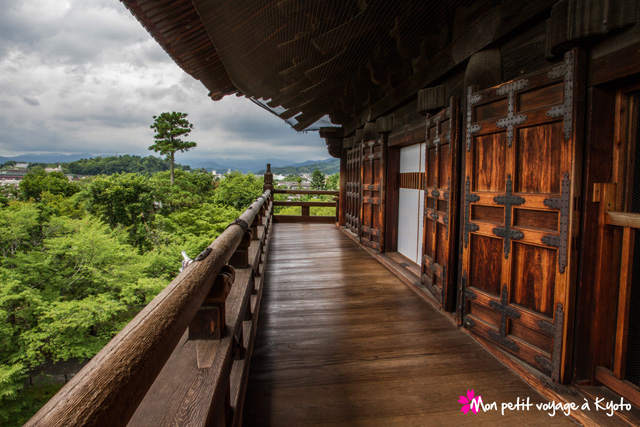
(372, 196)
(521, 189)
(439, 248)
(352, 216)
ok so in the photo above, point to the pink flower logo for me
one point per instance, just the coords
(470, 402)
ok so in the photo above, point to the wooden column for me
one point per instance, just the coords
(342, 202)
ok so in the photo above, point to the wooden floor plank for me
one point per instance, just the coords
(342, 341)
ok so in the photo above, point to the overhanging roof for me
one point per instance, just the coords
(304, 59)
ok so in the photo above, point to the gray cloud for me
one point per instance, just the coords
(30, 101)
(97, 78)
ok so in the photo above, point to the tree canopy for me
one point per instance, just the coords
(237, 190)
(170, 128)
(37, 181)
(79, 260)
(317, 180)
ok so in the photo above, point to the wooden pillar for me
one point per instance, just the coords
(341, 207)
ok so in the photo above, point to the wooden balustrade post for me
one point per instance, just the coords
(209, 321)
(254, 226)
(268, 179)
(305, 210)
(240, 258)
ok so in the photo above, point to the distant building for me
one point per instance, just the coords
(21, 165)
(58, 169)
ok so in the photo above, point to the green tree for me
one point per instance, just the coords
(317, 180)
(238, 190)
(122, 199)
(170, 127)
(333, 181)
(37, 181)
(191, 189)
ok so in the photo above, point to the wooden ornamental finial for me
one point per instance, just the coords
(268, 179)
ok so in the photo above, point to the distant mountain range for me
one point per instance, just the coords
(278, 166)
(328, 167)
(47, 158)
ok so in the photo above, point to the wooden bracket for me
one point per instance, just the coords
(209, 321)
(240, 258)
(432, 99)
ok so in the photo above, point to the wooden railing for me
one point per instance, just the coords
(615, 378)
(184, 359)
(306, 205)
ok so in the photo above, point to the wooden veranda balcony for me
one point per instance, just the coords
(289, 324)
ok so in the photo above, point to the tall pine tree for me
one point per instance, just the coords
(170, 127)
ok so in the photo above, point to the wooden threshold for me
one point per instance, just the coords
(622, 387)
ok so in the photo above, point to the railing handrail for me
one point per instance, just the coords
(305, 206)
(623, 219)
(317, 192)
(108, 390)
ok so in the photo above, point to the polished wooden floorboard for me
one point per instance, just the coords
(341, 341)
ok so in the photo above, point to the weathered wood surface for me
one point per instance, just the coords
(204, 381)
(342, 341)
(304, 218)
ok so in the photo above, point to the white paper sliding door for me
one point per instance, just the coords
(411, 202)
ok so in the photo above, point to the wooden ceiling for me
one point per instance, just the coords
(306, 58)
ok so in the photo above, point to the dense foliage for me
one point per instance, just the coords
(79, 260)
(118, 164)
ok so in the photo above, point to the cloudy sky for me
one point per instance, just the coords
(83, 76)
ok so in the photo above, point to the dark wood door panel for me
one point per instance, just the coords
(372, 166)
(522, 177)
(352, 216)
(439, 251)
